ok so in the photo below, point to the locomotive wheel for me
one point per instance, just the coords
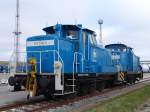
(17, 87)
(71, 96)
(109, 84)
(44, 82)
(11, 81)
(50, 89)
(92, 87)
(28, 97)
(132, 80)
(83, 89)
(100, 86)
(141, 76)
(23, 82)
(47, 95)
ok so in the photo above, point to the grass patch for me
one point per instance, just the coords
(125, 103)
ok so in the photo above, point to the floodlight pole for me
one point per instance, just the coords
(100, 22)
(17, 35)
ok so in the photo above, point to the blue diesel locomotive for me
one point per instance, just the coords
(69, 60)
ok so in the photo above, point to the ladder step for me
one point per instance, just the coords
(71, 85)
(65, 93)
(71, 79)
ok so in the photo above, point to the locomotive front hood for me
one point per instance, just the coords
(41, 48)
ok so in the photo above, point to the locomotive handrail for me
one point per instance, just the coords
(73, 69)
(75, 61)
(26, 63)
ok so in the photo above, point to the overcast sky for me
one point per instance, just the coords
(125, 21)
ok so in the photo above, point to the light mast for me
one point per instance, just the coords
(17, 35)
(100, 22)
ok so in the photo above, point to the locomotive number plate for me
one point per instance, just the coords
(40, 43)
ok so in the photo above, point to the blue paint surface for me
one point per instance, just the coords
(77, 48)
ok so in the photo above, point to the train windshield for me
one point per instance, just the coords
(93, 39)
(70, 31)
(117, 47)
(71, 34)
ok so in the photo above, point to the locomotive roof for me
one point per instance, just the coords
(88, 30)
(120, 45)
(72, 27)
(50, 29)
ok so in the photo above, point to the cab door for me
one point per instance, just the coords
(86, 50)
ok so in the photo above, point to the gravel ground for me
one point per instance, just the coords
(90, 102)
(145, 107)
(6, 96)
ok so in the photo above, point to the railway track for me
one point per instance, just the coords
(42, 105)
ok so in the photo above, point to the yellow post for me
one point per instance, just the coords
(31, 84)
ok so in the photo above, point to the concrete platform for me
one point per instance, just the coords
(7, 96)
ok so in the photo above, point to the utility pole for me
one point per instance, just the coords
(17, 35)
(100, 22)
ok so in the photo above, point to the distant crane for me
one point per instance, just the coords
(17, 33)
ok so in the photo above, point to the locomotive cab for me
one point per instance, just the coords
(64, 31)
(127, 62)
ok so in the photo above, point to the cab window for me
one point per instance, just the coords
(92, 39)
(124, 50)
(70, 31)
(71, 34)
